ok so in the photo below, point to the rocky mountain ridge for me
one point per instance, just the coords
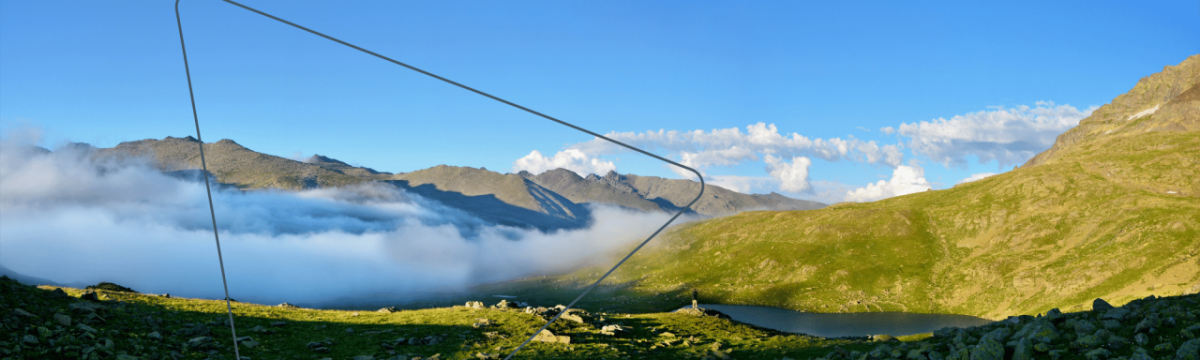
(552, 200)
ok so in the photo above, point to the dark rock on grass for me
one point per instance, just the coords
(62, 319)
(200, 343)
(90, 296)
(1149, 322)
(1100, 305)
(278, 323)
(1055, 316)
(110, 287)
(1190, 350)
(1098, 354)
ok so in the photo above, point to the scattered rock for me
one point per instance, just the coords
(480, 323)
(883, 337)
(154, 335)
(504, 305)
(1189, 350)
(278, 323)
(1055, 315)
(89, 296)
(475, 304)
(1100, 305)
(547, 336)
(86, 328)
(614, 329)
(387, 310)
(200, 343)
(1149, 322)
(21, 312)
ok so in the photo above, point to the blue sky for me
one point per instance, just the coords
(1006, 76)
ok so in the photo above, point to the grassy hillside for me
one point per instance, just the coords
(1116, 214)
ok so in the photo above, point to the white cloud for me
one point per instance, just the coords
(905, 180)
(974, 177)
(731, 146)
(1008, 136)
(570, 159)
(792, 177)
(743, 184)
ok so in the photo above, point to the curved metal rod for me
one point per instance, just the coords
(531, 111)
(204, 165)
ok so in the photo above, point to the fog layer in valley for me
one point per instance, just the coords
(69, 218)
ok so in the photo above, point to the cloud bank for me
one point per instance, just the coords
(70, 218)
(1008, 136)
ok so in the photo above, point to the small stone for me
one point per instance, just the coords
(363, 357)
(29, 339)
(1041, 347)
(1141, 339)
(249, 344)
(85, 328)
(90, 296)
(1098, 354)
(349, 330)
(1023, 350)
(988, 349)
(65, 320)
(475, 304)
(1055, 315)
(1148, 323)
(21, 312)
(1117, 342)
(1057, 353)
(1189, 350)
(278, 323)
(44, 332)
(1116, 314)
(1164, 347)
(1140, 355)
(200, 342)
(1100, 305)
(154, 335)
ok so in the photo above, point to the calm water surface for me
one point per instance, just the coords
(837, 325)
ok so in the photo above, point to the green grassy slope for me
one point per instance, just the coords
(1115, 215)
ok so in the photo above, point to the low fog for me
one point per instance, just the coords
(69, 218)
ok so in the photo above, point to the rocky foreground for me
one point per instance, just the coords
(112, 322)
(1150, 328)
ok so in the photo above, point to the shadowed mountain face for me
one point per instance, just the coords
(552, 200)
(1113, 212)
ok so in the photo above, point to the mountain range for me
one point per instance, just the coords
(554, 199)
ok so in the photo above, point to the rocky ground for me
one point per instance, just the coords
(1150, 328)
(112, 322)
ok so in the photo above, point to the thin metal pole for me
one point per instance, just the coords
(207, 187)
